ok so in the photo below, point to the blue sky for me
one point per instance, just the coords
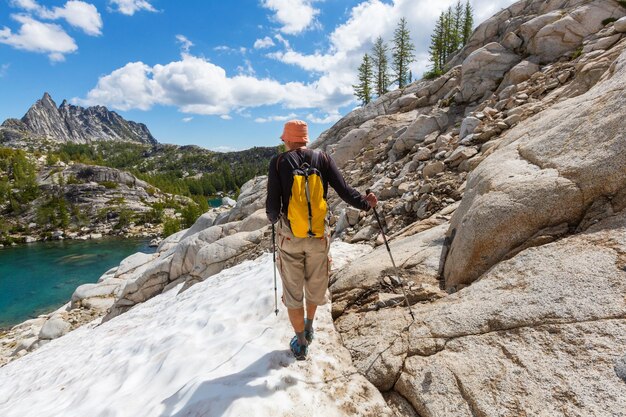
(224, 75)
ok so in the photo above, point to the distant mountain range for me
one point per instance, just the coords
(72, 124)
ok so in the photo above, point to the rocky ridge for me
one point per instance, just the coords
(524, 131)
(69, 123)
(100, 195)
(497, 191)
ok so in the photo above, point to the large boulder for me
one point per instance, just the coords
(419, 253)
(567, 33)
(98, 294)
(210, 258)
(514, 342)
(419, 129)
(54, 327)
(620, 25)
(368, 135)
(518, 74)
(547, 172)
(133, 262)
(251, 198)
(203, 222)
(357, 117)
(511, 343)
(483, 69)
(528, 30)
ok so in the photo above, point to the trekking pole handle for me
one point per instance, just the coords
(368, 191)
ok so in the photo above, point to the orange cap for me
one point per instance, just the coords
(295, 131)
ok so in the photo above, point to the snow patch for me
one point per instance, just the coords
(216, 349)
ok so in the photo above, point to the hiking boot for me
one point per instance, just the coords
(298, 350)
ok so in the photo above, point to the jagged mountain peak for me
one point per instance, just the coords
(71, 123)
(46, 101)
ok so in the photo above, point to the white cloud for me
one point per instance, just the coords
(198, 86)
(185, 44)
(316, 62)
(338, 65)
(282, 40)
(25, 4)
(226, 117)
(294, 16)
(327, 118)
(247, 69)
(56, 57)
(130, 7)
(4, 68)
(187, 119)
(275, 118)
(126, 88)
(35, 36)
(77, 13)
(223, 48)
(266, 42)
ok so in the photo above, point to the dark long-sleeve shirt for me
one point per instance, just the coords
(280, 181)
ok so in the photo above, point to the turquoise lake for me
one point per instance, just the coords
(40, 277)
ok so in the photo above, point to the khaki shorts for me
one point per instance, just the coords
(303, 265)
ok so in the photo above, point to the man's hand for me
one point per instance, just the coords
(371, 199)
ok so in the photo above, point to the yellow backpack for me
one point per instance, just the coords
(307, 206)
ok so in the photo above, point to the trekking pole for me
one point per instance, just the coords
(274, 257)
(391, 257)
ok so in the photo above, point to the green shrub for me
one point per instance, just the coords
(52, 159)
(109, 185)
(608, 20)
(53, 212)
(577, 53)
(430, 75)
(124, 218)
(622, 3)
(72, 180)
(171, 225)
(154, 216)
(190, 213)
(79, 216)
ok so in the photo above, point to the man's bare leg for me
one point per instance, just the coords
(296, 317)
(310, 311)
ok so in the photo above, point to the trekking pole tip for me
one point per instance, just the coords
(276, 311)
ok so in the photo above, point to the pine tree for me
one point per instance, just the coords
(449, 34)
(437, 50)
(381, 71)
(363, 90)
(458, 26)
(452, 31)
(468, 22)
(402, 53)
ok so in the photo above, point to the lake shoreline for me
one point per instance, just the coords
(40, 277)
(153, 232)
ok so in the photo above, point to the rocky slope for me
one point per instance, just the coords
(75, 124)
(526, 132)
(500, 182)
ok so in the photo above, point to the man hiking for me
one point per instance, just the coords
(297, 189)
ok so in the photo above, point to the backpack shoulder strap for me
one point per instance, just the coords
(280, 156)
